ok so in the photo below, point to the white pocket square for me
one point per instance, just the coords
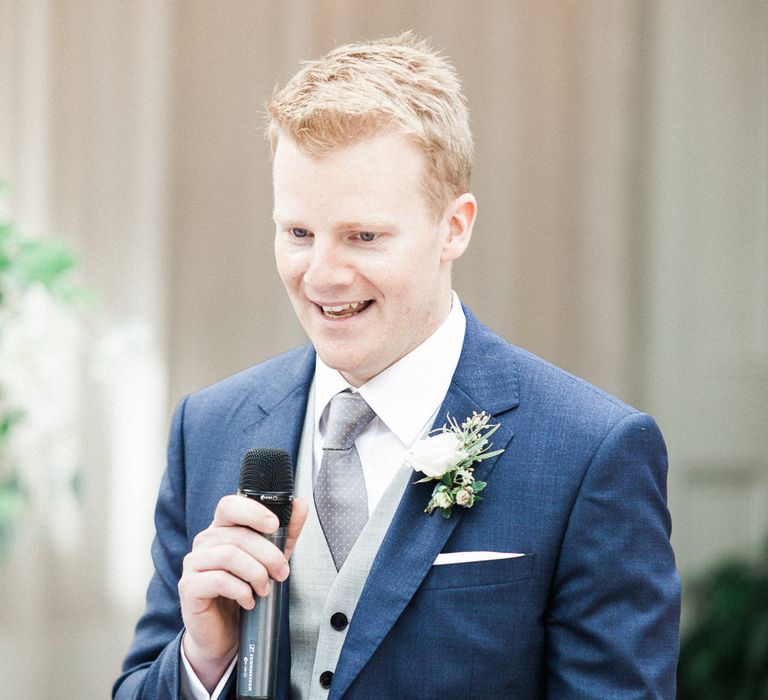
(464, 557)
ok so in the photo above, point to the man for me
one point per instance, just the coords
(560, 583)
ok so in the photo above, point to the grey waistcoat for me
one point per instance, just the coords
(317, 592)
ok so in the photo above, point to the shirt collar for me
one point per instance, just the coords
(406, 395)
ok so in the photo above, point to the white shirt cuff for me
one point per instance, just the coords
(192, 688)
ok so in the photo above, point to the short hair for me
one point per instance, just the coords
(358, 90)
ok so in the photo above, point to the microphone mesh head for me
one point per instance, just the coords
(268, 470)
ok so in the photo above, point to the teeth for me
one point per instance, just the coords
(344, 308)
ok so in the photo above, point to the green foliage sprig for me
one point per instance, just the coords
(26, 262)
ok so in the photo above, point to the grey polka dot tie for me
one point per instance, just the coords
(340, 496)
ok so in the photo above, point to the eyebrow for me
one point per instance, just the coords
(278, 219)
(376, 224)
(357, 225)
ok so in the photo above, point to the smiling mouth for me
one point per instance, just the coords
(345, 310)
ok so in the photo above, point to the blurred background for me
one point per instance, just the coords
(622, 177)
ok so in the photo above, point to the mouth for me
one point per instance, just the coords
(345, 310)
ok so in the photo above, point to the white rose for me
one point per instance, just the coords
(442, 500)
(436, 455)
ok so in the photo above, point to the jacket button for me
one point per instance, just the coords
(325, 679)
(339, 621)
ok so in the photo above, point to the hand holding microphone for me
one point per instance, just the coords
(232, 563)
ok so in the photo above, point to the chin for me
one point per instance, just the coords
(348, 368)
(336, 360)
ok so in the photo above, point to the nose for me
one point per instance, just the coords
(329, 268)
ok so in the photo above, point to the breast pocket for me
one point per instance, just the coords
(480, 573)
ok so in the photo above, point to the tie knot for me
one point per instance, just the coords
(347, 416)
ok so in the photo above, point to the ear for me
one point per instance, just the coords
(459, 218)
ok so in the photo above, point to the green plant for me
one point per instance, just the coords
(27, 264)
(724, 652)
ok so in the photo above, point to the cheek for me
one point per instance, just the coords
(289, 267)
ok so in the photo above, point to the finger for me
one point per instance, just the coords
(228, 558)
(239, 510)
(196, 592)
(238, 550)
(298, 518)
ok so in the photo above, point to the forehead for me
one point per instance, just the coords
(381, 171)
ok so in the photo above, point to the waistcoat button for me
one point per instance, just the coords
(325, 679)
(339, 621)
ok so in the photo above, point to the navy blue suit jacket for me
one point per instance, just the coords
(590, 611)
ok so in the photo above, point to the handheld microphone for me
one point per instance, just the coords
(266, 475)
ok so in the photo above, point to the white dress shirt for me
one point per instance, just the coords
(406, 398)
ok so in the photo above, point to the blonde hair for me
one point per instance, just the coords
(397, 83)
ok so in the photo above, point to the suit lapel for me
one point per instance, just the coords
(485, 380)
(276, 416)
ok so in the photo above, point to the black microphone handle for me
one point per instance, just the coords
(259, 636)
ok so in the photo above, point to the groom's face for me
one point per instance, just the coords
(360, 252)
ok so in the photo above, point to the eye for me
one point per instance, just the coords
(367, 236)
(299, 232)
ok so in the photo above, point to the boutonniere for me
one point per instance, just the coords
(447, 456)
